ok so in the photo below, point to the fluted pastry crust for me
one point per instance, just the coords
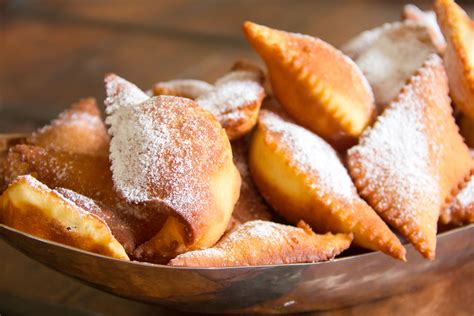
(412, 161)
(264, 243)
(458, 30)
(30, 206)
(301, 176)
(461, 209)
(321, 88)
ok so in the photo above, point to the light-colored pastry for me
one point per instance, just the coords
(467, 130)
(173, 157)
(393, 58)
(408, 165)
(78, 130)
(121, 93)
(250, 205)
(461, 210)
(321, 88)
(265, 243)
(302, 177)
(30, 206)
(186, 88)
(236, 99)
(427, 18)
(458, 30)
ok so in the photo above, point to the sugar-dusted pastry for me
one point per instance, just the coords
(91, 177)
(236, 99)
(302, 177)
(458, 30)
(461, 210)
(78, 130)
(250, 205)
(467, 130)
(264, 243)
(428, 19)
(321, 88)
(408, 165)
(186, 88)
(30, 206)
(172, 156)
(121, 93)
(393, 58)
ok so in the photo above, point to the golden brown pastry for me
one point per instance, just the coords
(173, 157)
(458, 30)
(301, 176)
(250, 205)
(461, 210)
(78, 130)
(30, 206)
(397, 53)
(264, 243)
(467, 130)
(186, 88)
(321, 88)
(428, 19)
(408, 165)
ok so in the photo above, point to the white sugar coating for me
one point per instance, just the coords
(189, 87)
(121, 93)
(393, 58)
(466, 195)
(231, 93)
(428, 19)
(159, 149)
(396, 152)
(311, 155)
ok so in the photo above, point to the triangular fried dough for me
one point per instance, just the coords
(265, 243)
(461, 210)
(393, 58)
(321, 88)
(186, 88)
(409, 164)
(428, 19)
(171, 155)
(302, 177)
(78, 130)
(121, 93)
(458, 30)
(30, 206)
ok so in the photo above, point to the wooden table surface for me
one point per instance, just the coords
(54, 52)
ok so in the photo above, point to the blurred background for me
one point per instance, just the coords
(53, 52)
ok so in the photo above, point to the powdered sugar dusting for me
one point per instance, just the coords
(396, 153)
(121, 93)
(311, 155)
(158, 150)
(428, 19)
(231, 93)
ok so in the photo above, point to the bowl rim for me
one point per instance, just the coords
(269, 266)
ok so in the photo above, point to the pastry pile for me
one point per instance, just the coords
(350, 145)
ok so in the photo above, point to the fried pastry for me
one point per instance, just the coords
(393, 58)
(264, 243)
(458, 30)
(321, 88)
(409, 164)
(461, 210)
(428, 19)
(78, 130)
(236, 99)
(250, 205)
(30, 206)
(302, 177)
(186, 88)
(467, 130)
(172, 156)
(121, 93)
